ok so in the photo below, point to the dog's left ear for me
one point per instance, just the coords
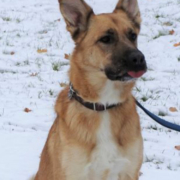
(76, 14)
(130, 7)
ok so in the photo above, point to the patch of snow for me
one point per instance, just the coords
(32, 80)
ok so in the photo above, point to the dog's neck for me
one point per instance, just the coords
(93, 86)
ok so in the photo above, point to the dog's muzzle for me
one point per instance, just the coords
(131, 67)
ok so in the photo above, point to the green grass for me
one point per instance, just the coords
(6, 52)
(144, 98)
(18, 64)
(18, 35)
(6, 19)
(57, 65)
(161, 113)
(26, 62)
(147, 79)
(18, 20)
(137, 89)
(51, 92)
(160, 33)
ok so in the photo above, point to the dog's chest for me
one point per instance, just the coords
(107, 161)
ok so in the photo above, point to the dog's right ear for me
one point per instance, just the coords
(76, 14)
(129, 6)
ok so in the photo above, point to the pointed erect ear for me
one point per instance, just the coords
(130, 6)
(76, 14)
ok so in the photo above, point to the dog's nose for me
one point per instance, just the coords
(137, 58)
(136, 61)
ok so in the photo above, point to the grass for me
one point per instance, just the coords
(6, 52)
(178, 59)
(51, 92)
(144, 98)
(6, 71)
(26, 62)
(18, 35)
(147, 79)
(6, 19)
(147, 159)
(161, 113)
(56, 66)
(2, 113)
(157, 16)
(154, 127)
(169, 167)
(150, 69)
(155, 97)
(160, 34)
(18, 20)
(137, 89)
(17, 64)
(39, 95)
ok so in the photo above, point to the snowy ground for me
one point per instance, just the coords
(30, 78)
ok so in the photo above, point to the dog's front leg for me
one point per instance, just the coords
(129, 177)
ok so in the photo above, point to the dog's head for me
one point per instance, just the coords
(106, 42)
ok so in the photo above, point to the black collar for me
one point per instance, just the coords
(89, 105)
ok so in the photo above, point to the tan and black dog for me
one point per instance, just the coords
(97, 134)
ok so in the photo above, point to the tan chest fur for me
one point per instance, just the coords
(116, 153)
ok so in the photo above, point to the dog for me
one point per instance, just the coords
(96, 134)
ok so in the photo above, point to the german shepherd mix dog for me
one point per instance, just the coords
(97, 134)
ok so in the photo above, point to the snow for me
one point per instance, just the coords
(32, 80)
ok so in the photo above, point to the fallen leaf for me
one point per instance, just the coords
(63, 84)
(12, 53)
(27, 110)
(167, 24)
(173, 109)
(171, 32)
(42, 50)
(177, 44)
(34, 74)
(67, 56)
(177, 147)
(58, 20)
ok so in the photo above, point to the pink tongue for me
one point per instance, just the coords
(136, 74)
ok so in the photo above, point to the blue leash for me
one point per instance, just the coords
(159, 120)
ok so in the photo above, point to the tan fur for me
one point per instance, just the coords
(73, 138)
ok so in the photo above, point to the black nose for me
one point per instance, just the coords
(136, 61)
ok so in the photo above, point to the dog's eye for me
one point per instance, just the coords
(107, 39)
(132, 36)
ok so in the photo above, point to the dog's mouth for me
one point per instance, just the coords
(126, 76)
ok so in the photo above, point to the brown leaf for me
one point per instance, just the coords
(171, 32)
(66, 56)
(27, 110)
(173, 109)
(34, 74)
(12, 53)
(177, 147)
(167, 24)
(177, 44)
(63, 84)
(42, 50)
